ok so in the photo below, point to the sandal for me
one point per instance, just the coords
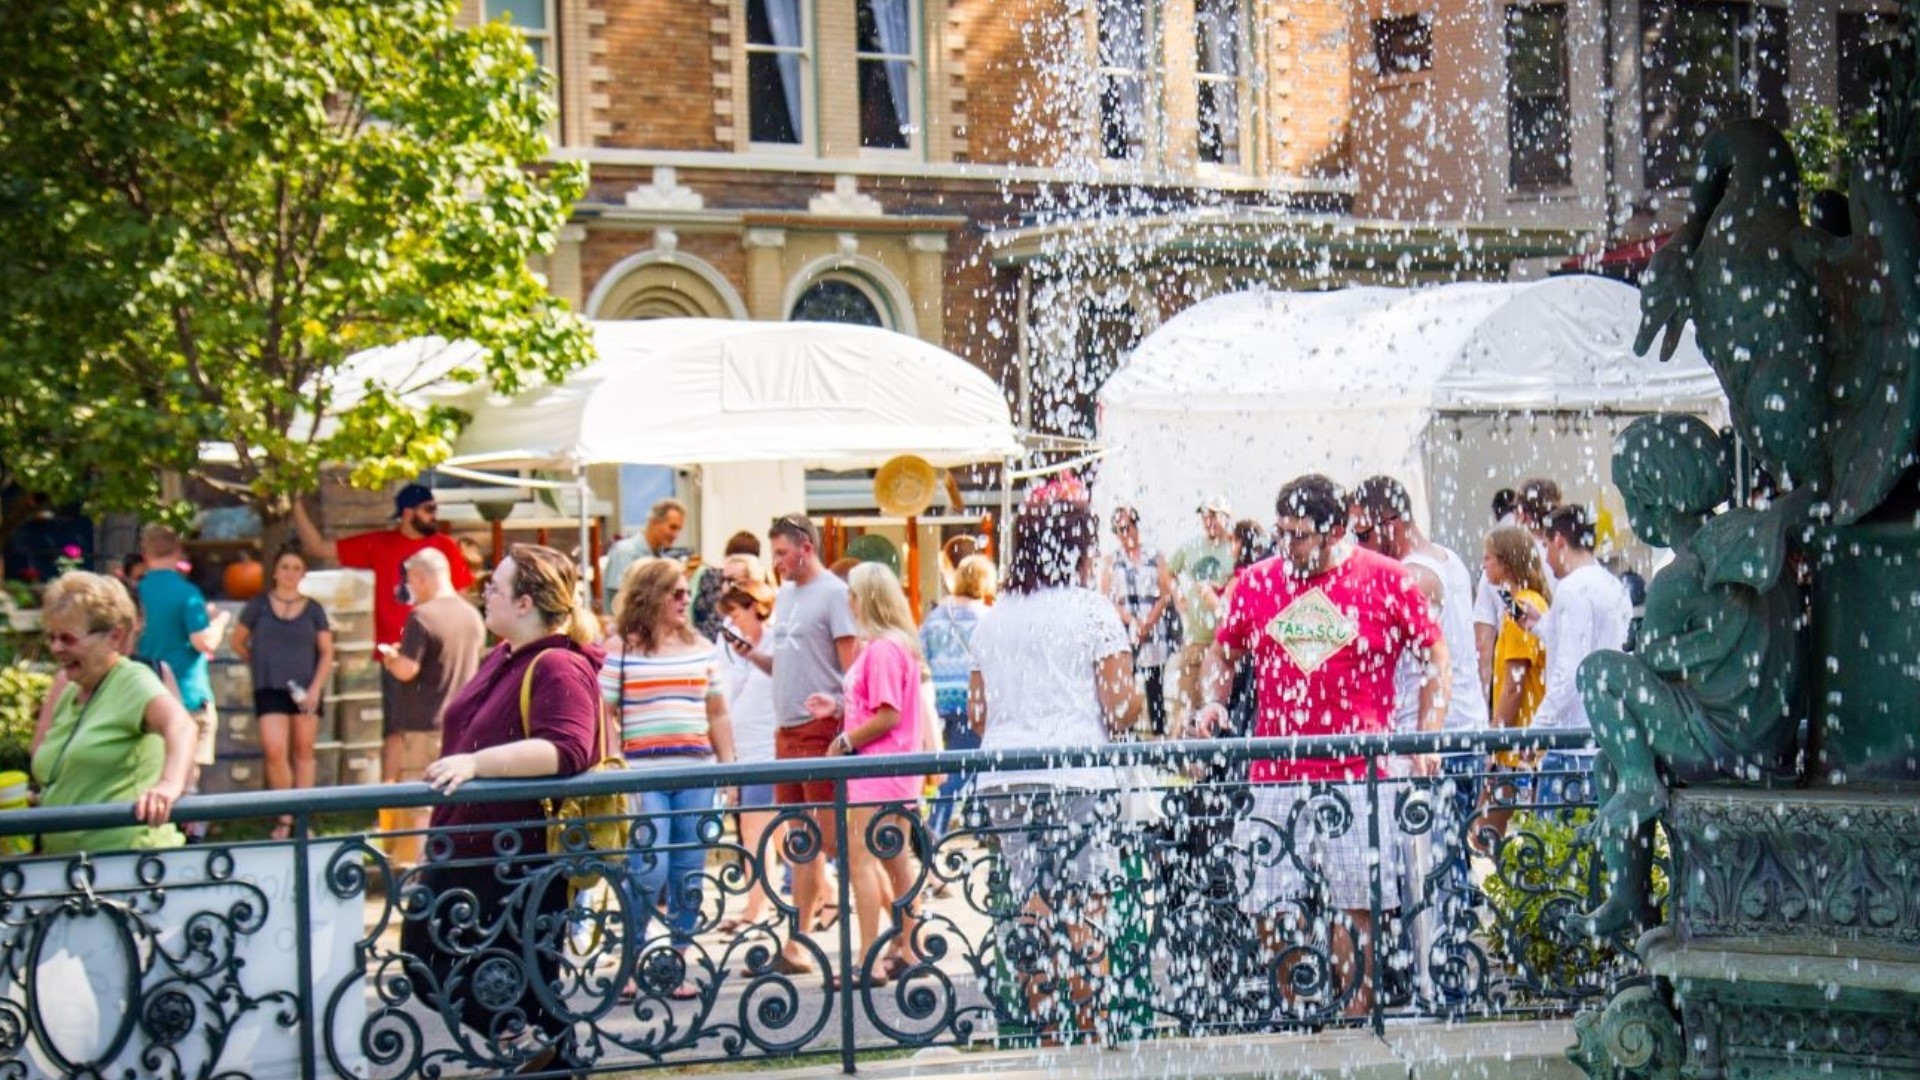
(731, 926)
(893, 967)
(828, 916)
(857, 982)
(686, 991)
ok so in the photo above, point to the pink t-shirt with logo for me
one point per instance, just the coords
(1324, 651)
(884, 674)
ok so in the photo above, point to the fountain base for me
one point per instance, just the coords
(1792, 947)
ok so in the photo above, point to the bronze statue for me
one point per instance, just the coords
(1813, 334)
(1717, 689)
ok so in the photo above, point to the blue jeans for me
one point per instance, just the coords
(667, 873)
(959, 736)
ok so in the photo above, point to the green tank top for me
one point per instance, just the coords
(103, 753)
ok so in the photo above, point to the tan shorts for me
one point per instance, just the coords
(405, 755)
(206, 723)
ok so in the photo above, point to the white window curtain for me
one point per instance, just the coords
(894, 20)
(783, 16)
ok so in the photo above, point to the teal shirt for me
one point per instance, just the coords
(175, 611)
(103, 753)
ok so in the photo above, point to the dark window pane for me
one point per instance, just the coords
(1403, 44)
(1123, 34)
(868, 35)
(769, 114)
(759, 27)
(881, 113)
(1767, 68)
(1219, 123)
(1866, 58)
(1122, 118)
(1539, 129)
(1216, 32)
(1691, 82)
(836, 302)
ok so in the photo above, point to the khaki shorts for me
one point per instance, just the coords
(206, 723)
(405, 755)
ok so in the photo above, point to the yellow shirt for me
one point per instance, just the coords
(1515, 643)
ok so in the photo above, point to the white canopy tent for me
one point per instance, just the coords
(752, 404)
(1457, 390)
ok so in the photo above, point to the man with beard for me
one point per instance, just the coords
(385, 552)
(1325, 626)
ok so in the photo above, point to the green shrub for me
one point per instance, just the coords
(22, 688)
(1542, 874)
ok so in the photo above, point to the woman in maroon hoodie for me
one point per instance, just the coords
(486, 878)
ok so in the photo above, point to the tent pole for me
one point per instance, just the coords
(1006, 513)
(589, 558)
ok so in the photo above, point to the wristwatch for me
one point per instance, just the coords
(842, 740)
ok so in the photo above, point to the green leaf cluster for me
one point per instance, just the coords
(22, 687)
(207, 205)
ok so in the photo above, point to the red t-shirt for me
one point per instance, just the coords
(383, 551)
(1324, 651)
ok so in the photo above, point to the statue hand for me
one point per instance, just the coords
(1664, 307)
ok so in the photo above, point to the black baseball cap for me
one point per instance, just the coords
(411, 496)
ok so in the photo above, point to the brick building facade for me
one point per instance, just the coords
(1033, 183)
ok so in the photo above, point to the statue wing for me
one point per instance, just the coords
(1744, 547)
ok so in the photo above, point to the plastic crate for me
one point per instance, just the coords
(232, 684)
(355, 671)
(238, 735)
(359, 764)
(326, 764)
(350, 627)
(340, 590)
(230, 774)
(357, 720)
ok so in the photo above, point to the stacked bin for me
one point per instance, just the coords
(349, 748)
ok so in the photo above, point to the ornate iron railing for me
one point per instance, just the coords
(1159, 905)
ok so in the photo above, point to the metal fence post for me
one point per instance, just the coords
(843, 863)
(1374, 971)
(303, 945)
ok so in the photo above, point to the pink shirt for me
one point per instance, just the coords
(1324, 651)
(885, 674)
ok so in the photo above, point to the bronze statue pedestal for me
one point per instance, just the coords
(1866, 650)
(1792, 947)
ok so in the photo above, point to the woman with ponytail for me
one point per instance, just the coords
(531, 710)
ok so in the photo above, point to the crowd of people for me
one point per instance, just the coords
(1343, 617)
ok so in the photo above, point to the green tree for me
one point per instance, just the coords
(206, 206)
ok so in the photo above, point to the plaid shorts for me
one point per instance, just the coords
(1310, 841)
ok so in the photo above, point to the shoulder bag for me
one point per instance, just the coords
(602, 819)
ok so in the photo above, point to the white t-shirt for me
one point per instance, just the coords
(1590, 612)
(749, 705)
(1466, 701)
(1039, 654)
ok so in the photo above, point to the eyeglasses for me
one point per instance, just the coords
(1361, 533)
(67, 641)
(681, 593)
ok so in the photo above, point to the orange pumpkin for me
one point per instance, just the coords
(244, 579)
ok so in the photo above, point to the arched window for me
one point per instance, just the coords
(838, 299)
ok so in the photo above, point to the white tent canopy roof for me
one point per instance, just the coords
(1243, 392)
(715, 391)
(1560, 344)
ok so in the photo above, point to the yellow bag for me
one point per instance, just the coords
(603, 817)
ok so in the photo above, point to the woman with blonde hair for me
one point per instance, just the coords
(113, 733)
(532, 709)
(661, 683)
(1511, 562)
(882, 716)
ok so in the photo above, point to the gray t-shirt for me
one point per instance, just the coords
(806, 620)
(283, 650)
(445, 636)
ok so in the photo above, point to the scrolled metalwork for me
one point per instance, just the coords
(1041, 914)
